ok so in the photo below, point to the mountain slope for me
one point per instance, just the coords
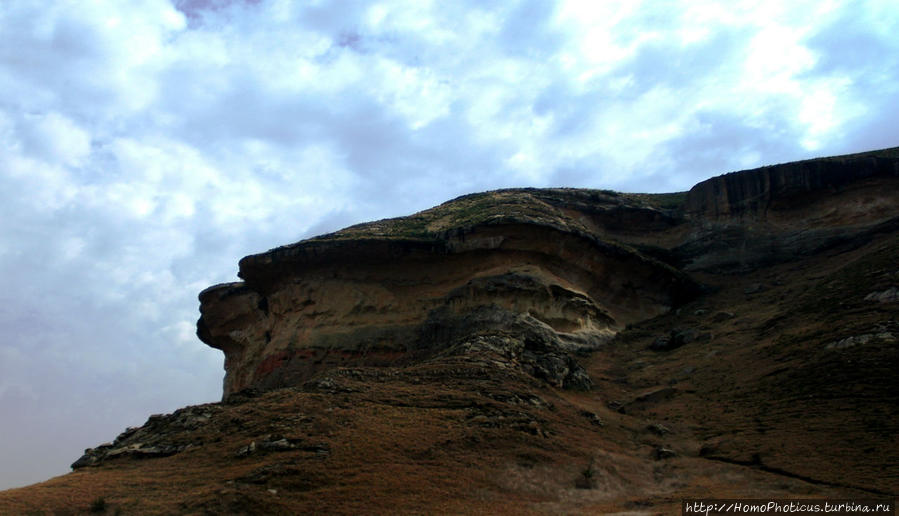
(544, 351)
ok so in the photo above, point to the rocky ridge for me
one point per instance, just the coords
(565, 351)
(515, 262)
(562, 270)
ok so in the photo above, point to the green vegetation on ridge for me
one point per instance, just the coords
(545, 205)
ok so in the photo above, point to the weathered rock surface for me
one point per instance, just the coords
(532, 343)
(783, 212)
(160, 436)
(554, 271)
(512, 263)
(754, 193)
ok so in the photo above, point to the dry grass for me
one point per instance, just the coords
(757, 407)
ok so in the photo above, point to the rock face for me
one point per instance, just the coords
(553, 272)
(736, 339)
(510, 263)
(752, 193)
(784, 212)
(151, 440)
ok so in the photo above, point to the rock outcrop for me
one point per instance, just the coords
(564, 351)
(557, 270)
(511, 263)
(753, 193)
(783, 212)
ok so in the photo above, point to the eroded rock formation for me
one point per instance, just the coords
(557, 270)
(753, 193)
(772, 214)
(373, 296)
(428, 354)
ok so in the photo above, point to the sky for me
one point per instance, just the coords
(146, 146)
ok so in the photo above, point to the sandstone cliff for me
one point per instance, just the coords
(561, 270)
(536, 265)
(544, 351)
(784, 212)
(753, 193)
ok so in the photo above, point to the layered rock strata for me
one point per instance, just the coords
(743, 220)
(369, 299)
(551, 272)
(753, 193)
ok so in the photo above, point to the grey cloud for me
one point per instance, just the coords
(406, 172)
(571, 110)
(334, 18)
(57, 60)
(666, 63)
(849, 48)
(719, 143)
(878, 129)
(204, 12)
(848, 43)
(527, 30)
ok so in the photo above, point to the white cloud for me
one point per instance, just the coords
(54, 138)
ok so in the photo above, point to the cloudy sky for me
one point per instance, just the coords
(146, 146)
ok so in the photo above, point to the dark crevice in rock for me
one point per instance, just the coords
(757, 464)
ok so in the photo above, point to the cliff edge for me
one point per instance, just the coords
(544, 351)
(534, 266)
(561, 271)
